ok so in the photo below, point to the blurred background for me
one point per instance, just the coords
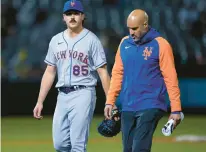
(27, 26)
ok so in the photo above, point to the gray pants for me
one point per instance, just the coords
(72, 118)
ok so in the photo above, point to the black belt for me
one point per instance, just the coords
(72, 88)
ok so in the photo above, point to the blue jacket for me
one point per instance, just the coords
(143, 72)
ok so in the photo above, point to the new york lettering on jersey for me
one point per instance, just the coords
(74, 54)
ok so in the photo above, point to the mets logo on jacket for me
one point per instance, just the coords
(147, 52)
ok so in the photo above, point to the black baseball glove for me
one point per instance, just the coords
(110, 128)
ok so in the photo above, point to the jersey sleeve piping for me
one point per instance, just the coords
(49, 63)
(100, 65)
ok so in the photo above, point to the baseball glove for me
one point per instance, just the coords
(110, 128)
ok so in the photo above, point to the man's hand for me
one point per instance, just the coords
(176, 118)
(115, 118)
(37, 111)
(108, 111)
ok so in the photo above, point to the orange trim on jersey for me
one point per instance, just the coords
(167, 67)
(116, 79)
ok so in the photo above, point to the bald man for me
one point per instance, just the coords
(143, 72)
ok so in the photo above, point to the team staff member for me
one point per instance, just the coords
(75, 54)
(143, 71)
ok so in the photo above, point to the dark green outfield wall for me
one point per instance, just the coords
(20, 98)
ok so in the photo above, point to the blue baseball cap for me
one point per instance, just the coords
(73, 5)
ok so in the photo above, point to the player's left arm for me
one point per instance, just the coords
(105, 78)
(100, 63)
(167, 67)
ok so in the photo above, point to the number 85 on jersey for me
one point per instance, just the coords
(80, 70)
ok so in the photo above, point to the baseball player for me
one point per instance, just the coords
(76, 55)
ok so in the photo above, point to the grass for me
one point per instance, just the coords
(25, 134)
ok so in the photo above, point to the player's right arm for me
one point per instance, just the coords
(47, 79)
(46, 83)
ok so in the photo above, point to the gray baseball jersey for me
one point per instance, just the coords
(76, 58)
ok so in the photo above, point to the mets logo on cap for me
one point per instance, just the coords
(72, 3)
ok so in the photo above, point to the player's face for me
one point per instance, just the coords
(73, 19)
(137, 29)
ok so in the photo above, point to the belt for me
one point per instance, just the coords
(72, 88)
